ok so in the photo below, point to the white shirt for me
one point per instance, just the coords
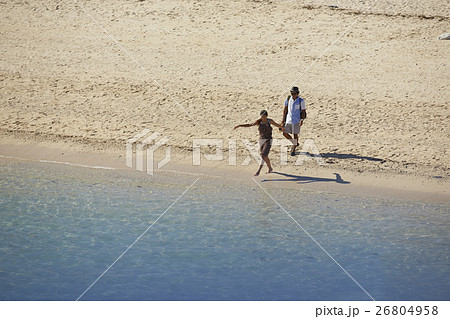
(294, 107)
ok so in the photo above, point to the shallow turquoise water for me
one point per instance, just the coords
(62, 227)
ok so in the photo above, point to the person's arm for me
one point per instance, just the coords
(247, 125)
(285, 112)
(302, 111)
(276, 124)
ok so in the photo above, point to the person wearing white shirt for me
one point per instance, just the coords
(293, 116)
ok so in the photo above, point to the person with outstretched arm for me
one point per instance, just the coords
(265, 138)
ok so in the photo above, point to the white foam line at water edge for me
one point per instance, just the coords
(106, 167)
(78, 165)
(137, 239)
(135, 61)
(315, 241)
(56, 162)
(327, 49)
(16, 158)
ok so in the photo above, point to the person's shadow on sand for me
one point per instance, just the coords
(305, 179)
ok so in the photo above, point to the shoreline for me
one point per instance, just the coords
(308, 177)
(376, 101)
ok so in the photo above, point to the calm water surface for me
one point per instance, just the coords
(62, 227)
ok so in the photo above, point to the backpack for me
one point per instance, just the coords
(302, 112)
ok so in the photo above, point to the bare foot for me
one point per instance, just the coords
(269, 171)
(256, 174)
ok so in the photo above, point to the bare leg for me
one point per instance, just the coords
(295, 142)
(267, 160)
(259, 170)
(286, 135)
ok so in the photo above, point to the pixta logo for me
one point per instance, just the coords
(308, 152)
(144, 141)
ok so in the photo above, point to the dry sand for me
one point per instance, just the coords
(378, 100)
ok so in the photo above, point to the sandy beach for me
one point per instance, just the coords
(79, 78)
